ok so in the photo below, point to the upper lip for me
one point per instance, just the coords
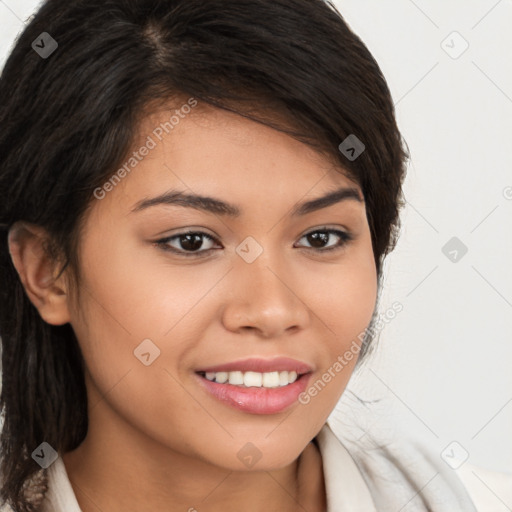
(261, 366)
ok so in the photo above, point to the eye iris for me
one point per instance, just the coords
(318, 238)
(192, 241)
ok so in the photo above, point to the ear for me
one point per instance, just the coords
(38, 272)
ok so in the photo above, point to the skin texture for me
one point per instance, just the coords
(156, 440)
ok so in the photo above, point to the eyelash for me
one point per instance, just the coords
(345, 238)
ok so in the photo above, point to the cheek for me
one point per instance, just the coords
(345, 294)
(132, 289)
(349, 302)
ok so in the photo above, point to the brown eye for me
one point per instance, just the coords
(321, 237)
(190, 242)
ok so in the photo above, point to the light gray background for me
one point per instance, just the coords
(443, 366)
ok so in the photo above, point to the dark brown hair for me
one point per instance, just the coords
(69, 119)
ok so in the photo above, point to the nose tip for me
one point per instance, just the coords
(264, 301)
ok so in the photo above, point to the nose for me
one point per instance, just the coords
(265, 298)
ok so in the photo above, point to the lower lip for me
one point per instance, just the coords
(256, 400)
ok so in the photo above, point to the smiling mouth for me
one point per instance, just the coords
(255, 392)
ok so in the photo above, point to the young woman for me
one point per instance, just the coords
(196, 201)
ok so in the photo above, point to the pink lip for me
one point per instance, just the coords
(261, 366)
(256, 400)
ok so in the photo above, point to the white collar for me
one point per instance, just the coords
(345, 487)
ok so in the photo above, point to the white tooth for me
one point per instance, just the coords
(271, 380)
(283, 378)
(253, 379)
(236, 378)
(221, 377)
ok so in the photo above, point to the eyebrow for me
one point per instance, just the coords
(217, 206)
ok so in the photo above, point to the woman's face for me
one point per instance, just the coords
(152, 315)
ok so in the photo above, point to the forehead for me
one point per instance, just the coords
(216, 152)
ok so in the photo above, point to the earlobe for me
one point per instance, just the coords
(37, 272)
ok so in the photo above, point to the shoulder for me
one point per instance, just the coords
(490, 491)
